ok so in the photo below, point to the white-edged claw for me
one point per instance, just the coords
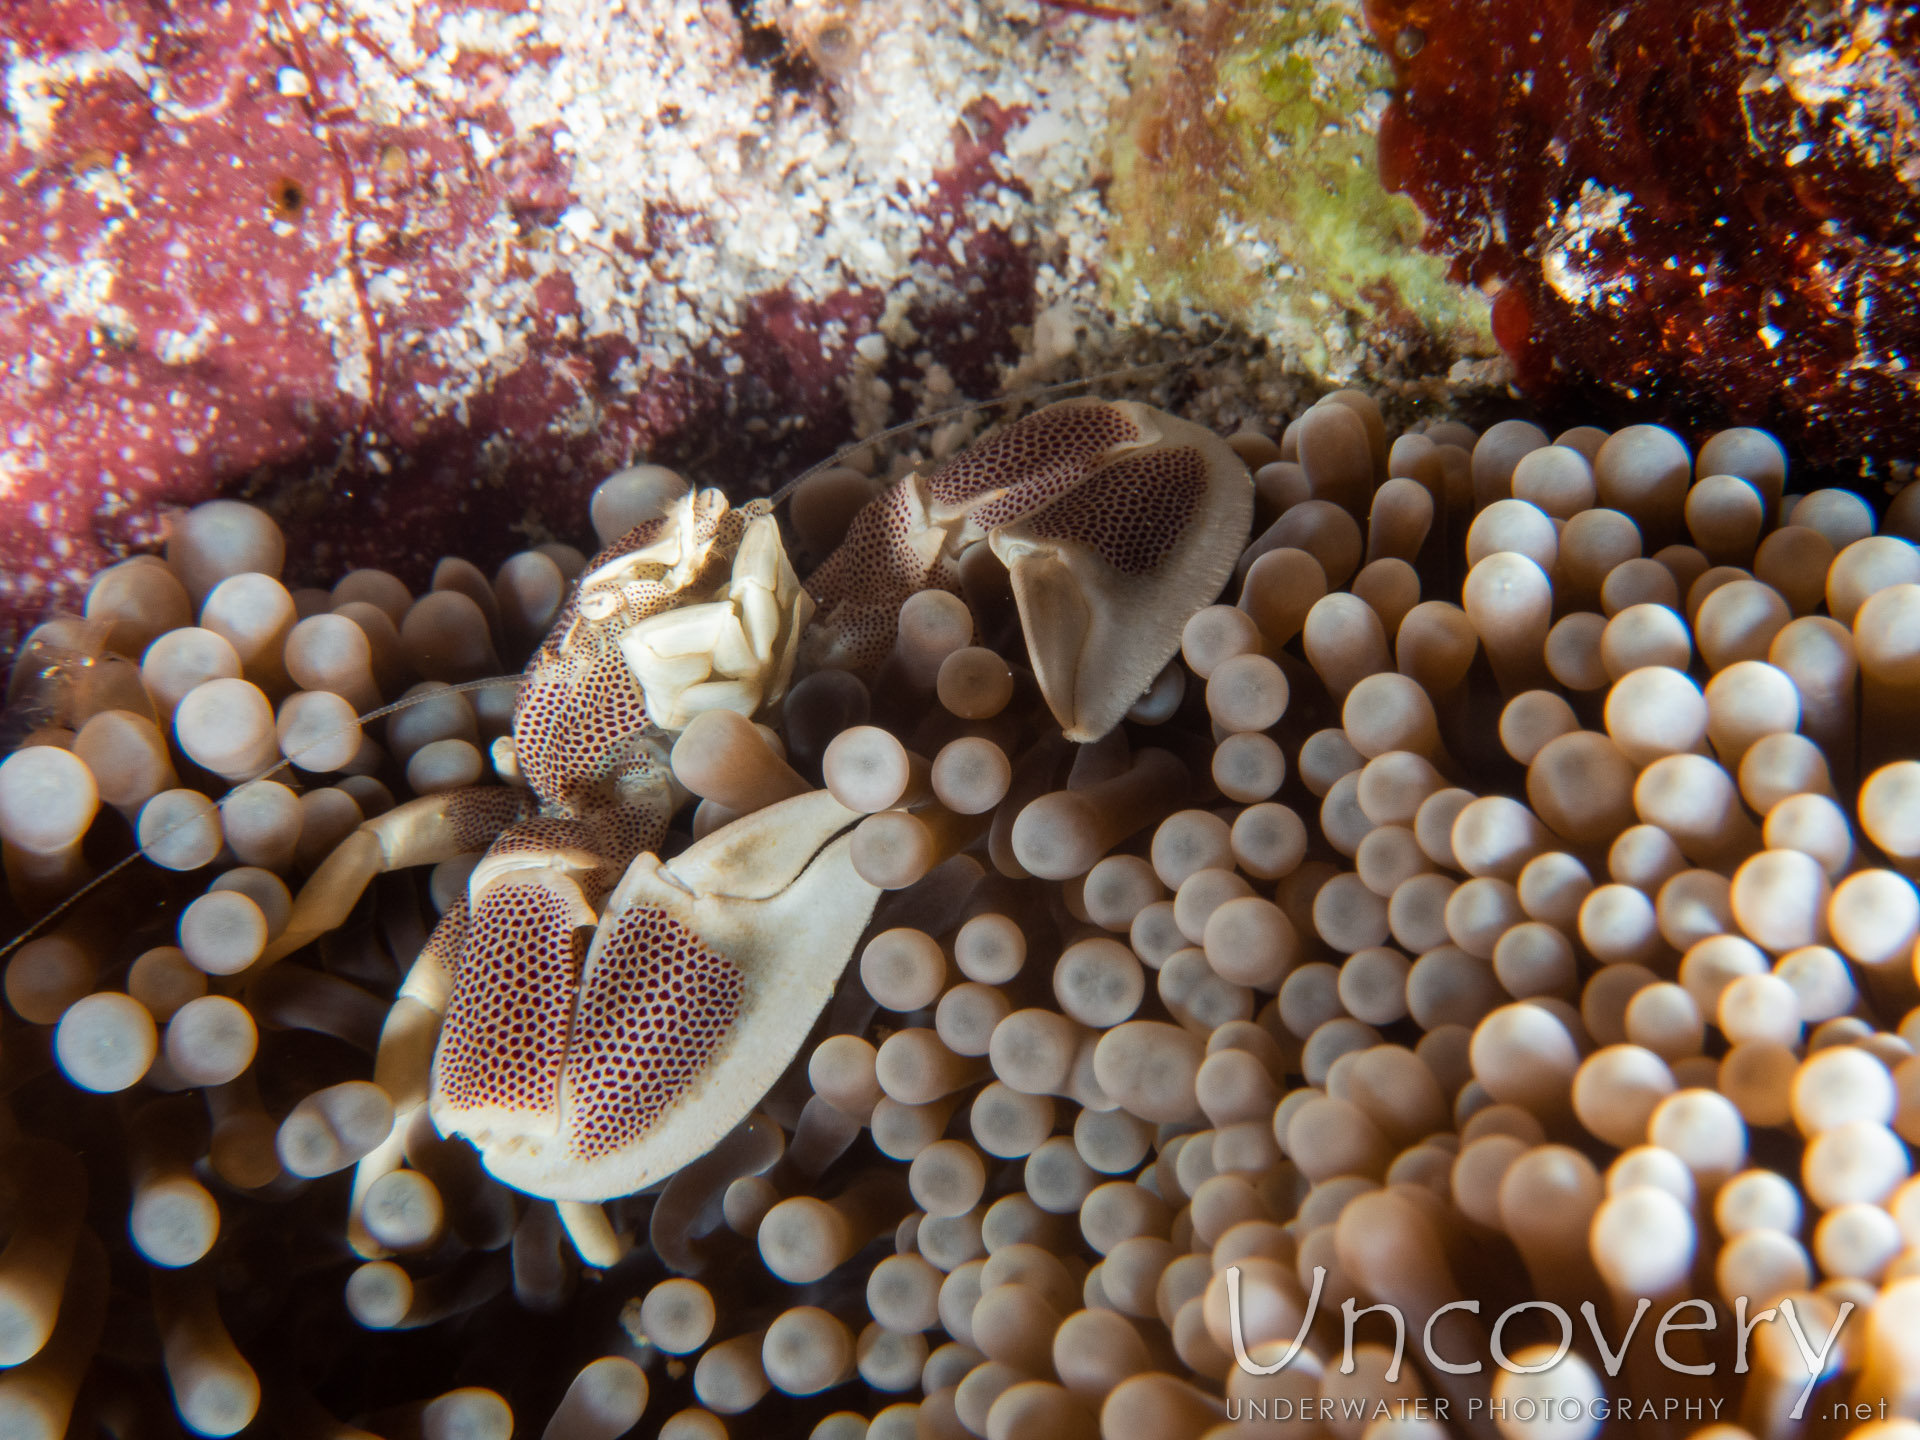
(1107, 575)
(1116, 520)
(699, 986)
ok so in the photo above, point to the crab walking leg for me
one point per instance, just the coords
(421, 832)
(592, 1233)
(706, 972)
(403, 1064)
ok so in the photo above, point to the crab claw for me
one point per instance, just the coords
(701, 983)
(1107, 575)
(1116, 520)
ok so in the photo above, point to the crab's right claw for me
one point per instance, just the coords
(701, 983)
(1107, 576)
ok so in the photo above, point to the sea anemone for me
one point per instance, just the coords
(1504, 895)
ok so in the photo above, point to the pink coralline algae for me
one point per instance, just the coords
(422, 272)
(1702, 211)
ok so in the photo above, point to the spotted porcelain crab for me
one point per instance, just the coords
(595, 1017)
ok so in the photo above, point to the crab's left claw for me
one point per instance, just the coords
(1107, 575)
(704, 977)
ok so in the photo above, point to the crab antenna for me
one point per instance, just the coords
(1019, 397)
(313, 743)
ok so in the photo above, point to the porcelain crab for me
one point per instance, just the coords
(591, 1016)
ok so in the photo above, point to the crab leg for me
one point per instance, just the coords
(403, 1064)
(421, 832)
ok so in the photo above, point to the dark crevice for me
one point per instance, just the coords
(765, 48)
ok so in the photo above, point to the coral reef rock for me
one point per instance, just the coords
(1706, 211)
(376, 265)
(1246, 184)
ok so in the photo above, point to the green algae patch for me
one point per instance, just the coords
(1246, 185)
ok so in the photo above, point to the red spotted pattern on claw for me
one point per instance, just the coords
(505, 1035)
(1133, 512)
(860, 588)
(1036, 460)
(654, 1005)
